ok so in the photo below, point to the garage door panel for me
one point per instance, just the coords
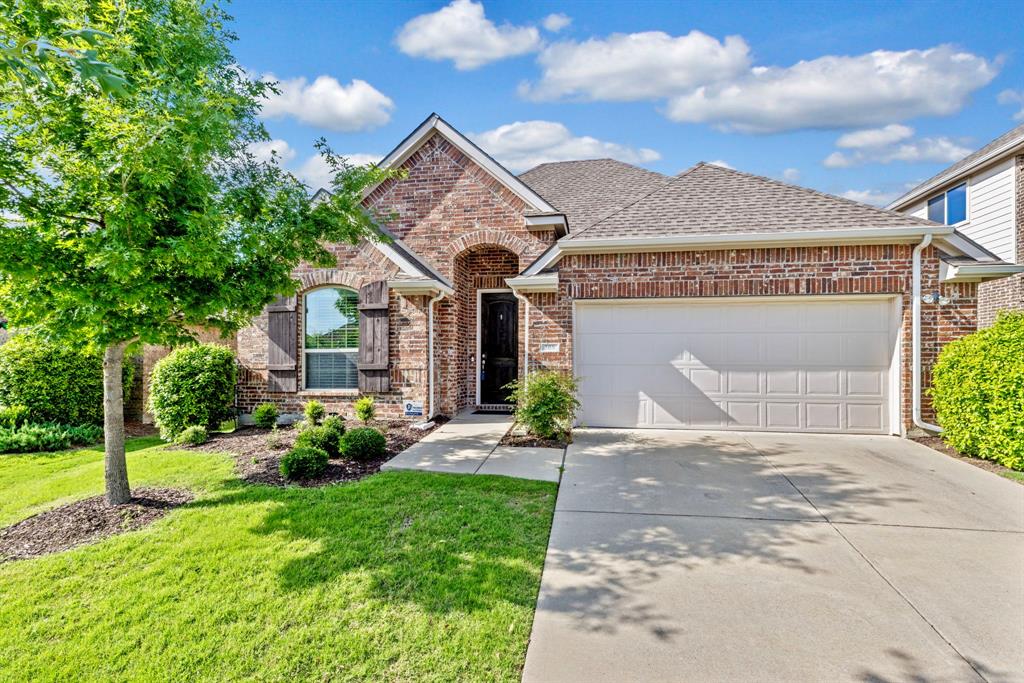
(781, 365)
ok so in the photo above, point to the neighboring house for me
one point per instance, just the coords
(982, 196)
(712, 299)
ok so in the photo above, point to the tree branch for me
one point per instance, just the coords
(98, 223)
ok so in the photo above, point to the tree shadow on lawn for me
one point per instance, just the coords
(444, 542)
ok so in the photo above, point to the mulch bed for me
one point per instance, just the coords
(136, 428)
(936, 443)
(518, 437)
(86, 521)
(258, 452)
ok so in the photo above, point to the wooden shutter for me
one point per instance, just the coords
(374, 376)
(282, 333)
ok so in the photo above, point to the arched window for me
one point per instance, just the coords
(332, 339)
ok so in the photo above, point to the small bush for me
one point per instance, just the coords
(314, 412)
(265, 415)
(365, 409)
(193, 385)
(335, 424)
(303, 462)
(31, 437)
(13, 416)
(56, 382)
(978, 392)
(363, 443)
(546, 403)
(321, 437)
(196, 435)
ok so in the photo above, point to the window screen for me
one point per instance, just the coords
(956, 204)
(937, 209)
(331, 339)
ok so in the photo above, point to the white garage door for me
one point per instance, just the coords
(813, 364)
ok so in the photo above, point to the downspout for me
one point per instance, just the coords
(916, 331)
(430, 353)
(526, 337)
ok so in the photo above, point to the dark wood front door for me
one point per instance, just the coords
(499, 345)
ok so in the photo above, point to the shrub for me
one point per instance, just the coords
(196, 435)
(13, 416)
(31, 437)
(978, 392)
(265, 415)
(546, 403)
(363, 443)
(335, 424)
(56, 382)
(193, 385)
(365, 409)
(303, 462)
(314, 412)
(321, 437)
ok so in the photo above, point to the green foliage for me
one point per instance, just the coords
(49, 436)
(265, 415)
(321, 437)
(193, 385)
(196, 435)
(13, 416)
(56, 381)
(365, 409)
(314, 411)
(978, 392)
(363, 443)
(546, 403)
(303, 462)
(335, 424)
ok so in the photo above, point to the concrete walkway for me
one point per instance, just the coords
(469, 445)
(715, 556)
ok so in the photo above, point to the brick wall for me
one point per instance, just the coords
(883, 269)
(1006, 293)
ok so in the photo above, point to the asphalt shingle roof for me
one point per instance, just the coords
(587, 191)
(715, 200)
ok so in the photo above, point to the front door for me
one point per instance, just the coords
(499, 345)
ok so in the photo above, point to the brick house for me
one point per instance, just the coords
(712, 299)
(982, 196)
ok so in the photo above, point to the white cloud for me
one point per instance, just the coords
(893, 143)
(1014, 97)
(524, 144)
(873, 197)
(556, 22)
(636, 66)
(265, 150)
(720, 162)
(326, 103)
(460, 32)
(839, 91)
(315, 172)
(875, 137)
(791, 175)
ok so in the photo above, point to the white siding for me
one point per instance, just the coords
(990, 210)
(919, 210)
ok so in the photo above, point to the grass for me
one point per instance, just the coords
(401, 576)
(1013, 475)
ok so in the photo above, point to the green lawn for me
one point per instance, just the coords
(400, 576)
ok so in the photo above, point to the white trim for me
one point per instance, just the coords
(738, 299)
(479, 299)
(959, 242)
(407, 267)
(540, 223)
(976, 272)
(407, 147)
(969, 169)
(896, 369)
(419, 287)
(550, 256)
(915, 350)
(547, 282)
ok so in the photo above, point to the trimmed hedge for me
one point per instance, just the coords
(55, 382)
(303, 462)
(324, 438)
(363, 443)
(31, 438)
(978, 392)
(193, 385)
(265, 415)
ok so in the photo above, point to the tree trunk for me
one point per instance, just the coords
(115, 466)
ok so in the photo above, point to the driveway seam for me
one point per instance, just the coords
(869, 562)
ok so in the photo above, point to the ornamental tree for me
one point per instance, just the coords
(136, 214)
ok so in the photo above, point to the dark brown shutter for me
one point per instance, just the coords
(282, 333)
(374, 376)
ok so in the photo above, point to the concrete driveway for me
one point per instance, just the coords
(696, 556)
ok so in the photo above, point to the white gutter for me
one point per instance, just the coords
(419, 287)
(430, 352)
(547, 282)
(977, 272)
(916, 331)
(526, 339)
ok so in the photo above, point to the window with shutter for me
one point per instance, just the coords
(374, 375)
(331, 340)
(281, 341)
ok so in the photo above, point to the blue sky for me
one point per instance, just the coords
(856, 99)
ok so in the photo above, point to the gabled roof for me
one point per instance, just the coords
(1006, 143)
(587, 191)
(710, 199)
(435, 124)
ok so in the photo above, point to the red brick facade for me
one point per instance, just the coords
(1007, 293)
